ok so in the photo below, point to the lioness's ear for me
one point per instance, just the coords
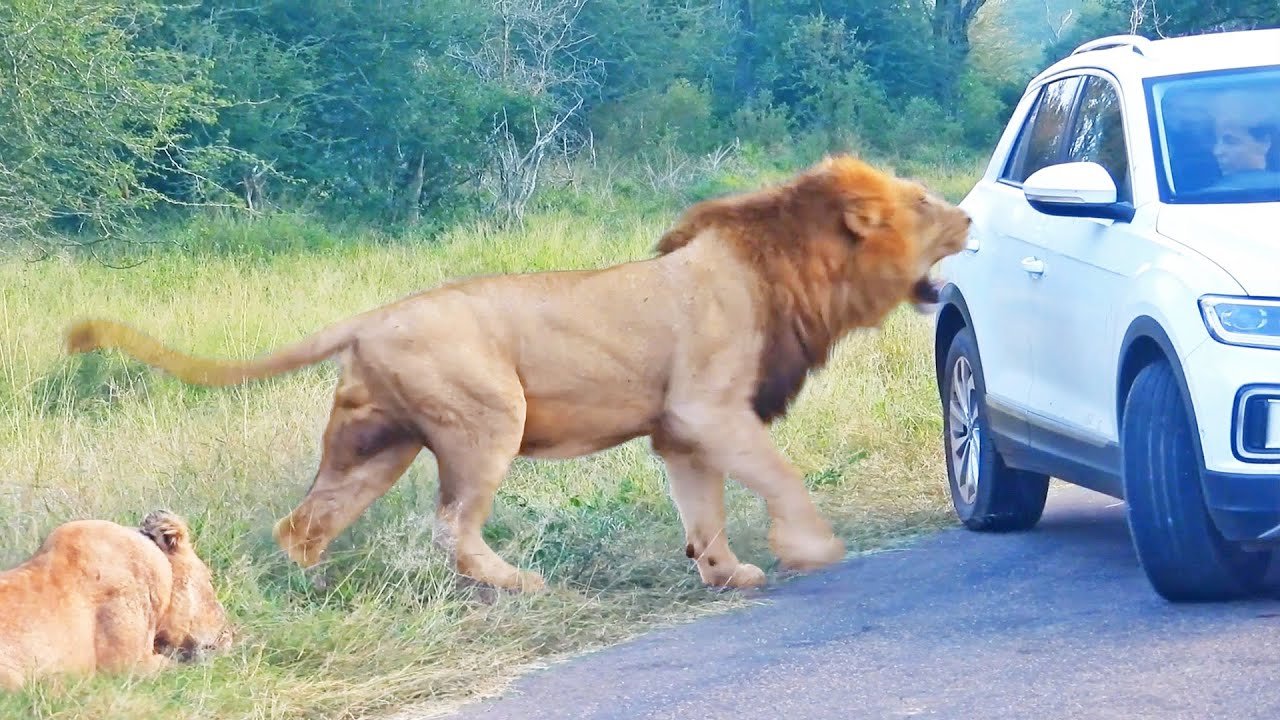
(166, 529)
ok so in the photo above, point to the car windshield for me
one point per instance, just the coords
(1217, 136)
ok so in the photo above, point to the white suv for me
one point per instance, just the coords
(1115, 319)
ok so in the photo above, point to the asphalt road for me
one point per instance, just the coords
(1055, 623)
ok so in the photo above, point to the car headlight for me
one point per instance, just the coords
(1251, 322)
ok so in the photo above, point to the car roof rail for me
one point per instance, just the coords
(1136, 42)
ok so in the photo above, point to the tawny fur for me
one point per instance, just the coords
(101, 597)
(697, 348)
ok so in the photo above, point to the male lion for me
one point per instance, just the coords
(98, 596)
(698, 348)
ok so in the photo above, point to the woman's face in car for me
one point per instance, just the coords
(1238, 148)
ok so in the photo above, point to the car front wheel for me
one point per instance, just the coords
(1184, 556)
(987, 494)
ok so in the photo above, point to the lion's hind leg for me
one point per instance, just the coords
(467, 488)
(474, 451)
(365, 451)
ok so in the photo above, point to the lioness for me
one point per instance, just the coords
(101, 597)
(698, 348)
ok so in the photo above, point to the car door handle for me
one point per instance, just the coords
(1033, 266)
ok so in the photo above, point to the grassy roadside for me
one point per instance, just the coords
(99, 436)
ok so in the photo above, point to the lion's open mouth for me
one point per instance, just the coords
(926, 292)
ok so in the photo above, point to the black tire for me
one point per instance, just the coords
(1005, 499)
(1182, 553)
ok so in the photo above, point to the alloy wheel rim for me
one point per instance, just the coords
(965, 436)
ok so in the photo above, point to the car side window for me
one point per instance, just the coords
(1047, 125)
(1099, 134)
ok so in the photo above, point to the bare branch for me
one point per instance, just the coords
(535, 48)
(970, 8)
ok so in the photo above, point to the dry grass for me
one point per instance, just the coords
(96, 436)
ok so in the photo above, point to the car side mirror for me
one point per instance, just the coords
(1075, 189)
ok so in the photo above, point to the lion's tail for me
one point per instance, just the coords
(89, 335)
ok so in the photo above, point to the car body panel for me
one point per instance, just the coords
(1057, 333)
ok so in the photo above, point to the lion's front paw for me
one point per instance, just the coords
(304, 551)
(743, 575)
(806, 552)
(489, 569)
(529, 582)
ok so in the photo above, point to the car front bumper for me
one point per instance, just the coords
(1241, 485)
(1244, 507)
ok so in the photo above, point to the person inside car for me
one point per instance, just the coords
(1244, 141)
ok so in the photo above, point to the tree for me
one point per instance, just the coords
(1165, 18)
(96, 127)
(533, 50)
(951, 20)
(358, 100)
(1182, 17)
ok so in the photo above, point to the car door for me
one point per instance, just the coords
(1080, 267)
(999, 297)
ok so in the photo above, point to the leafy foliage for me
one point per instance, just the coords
(1167, 18)
(400, 111)
(97, 124)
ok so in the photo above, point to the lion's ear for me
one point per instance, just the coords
(675, 238)
(166, 530)
(686, 227)
(865, 195)
(864, 215)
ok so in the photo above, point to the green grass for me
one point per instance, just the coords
(99, 436)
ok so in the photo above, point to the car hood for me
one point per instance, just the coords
(1243, 239)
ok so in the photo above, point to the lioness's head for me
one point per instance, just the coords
(196, 622)
(904, 212)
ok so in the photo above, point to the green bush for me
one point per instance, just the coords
(761, 123)
(924, 132)
(677, 116)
